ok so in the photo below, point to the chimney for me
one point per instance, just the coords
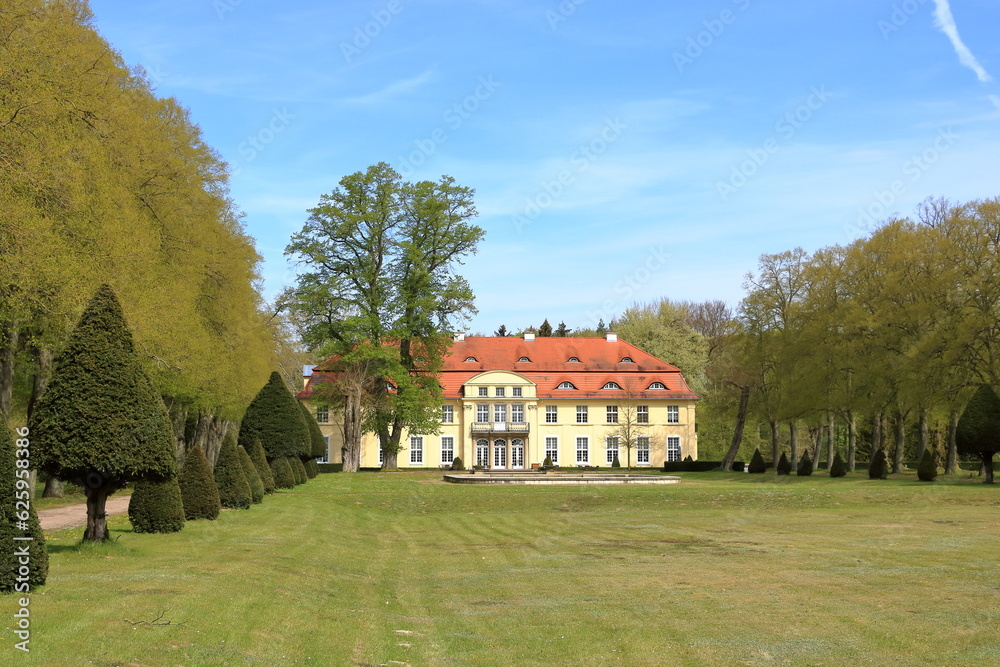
(459, 337)
(529, 336)
(612, 337)
(307, 371)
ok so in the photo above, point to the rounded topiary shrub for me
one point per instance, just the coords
(198, 491)
(299, 470)
(927, 470)
(156, 507)
(284, 478)
(757, 464)
(14, 488)
(234, 489)
(837, 468)
(253, 479)
(312, 468)
(457, 464)
(259, 459)
(784, 467)
(878, 468)
(805, 468)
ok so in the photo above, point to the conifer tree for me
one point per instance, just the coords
(312, 468)
(927, 468)
(837, 467)
(101, 423)
(316, 440)
(978, 429)
(274, 417)
(784, 467)
(545, 331)
(253, 477)
(299, 470)
(805, 468)
(259, 458)
(14, 488)
(878, 468)
(199, 493)
(156, 507)
(757, 464)
(284, 478)
(234, 489)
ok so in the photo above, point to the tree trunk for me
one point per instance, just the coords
(924, 435)
(815, 444)
(793, 440)
(831, 440)
(43, 369)
(852, 440)
(9, 334)
(774, 444)
(54, 488)
(876, 434)
(206, 432)
(741, 420)
(988, 468)
(951, 465)
(97, 524)
(178, 419)
(897, 458)
(350, 453)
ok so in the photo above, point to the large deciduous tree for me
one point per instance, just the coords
(380, 257)
(101, 423)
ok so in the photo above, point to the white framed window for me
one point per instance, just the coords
(572, 360)
(471, 359)
(484, 391)
(656, 386)
(517, 413)
(552, 448)
(515, 392)
(612, 414)
(381, 456)
(642, 450)
(611, 385)
(673, 448)
(322, 414)
(500, 391)
(326, 452)
(500, 413)
(673, 414)
(482, 452)
(500, 453)
(566, 385)
(447, 449)
(447, 414)
(482, 413)
(581, 414)
(523, 360)
(612, 448)
(626, 360)
(582, 450)
(416, 450)
(642, 414)
(551, 414)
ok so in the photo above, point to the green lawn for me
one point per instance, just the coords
(383, 569)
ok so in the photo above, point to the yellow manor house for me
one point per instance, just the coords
(510, 402)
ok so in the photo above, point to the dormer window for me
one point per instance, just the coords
(656, 386)
(612, 385)
(471, 359)
(524, 360)
(626, 360)
(565, 385)
(573, 360)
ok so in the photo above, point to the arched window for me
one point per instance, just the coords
(626, 360)
(657, 385)
(573, 360)
(612, 385)
(565, 385)
(523, 360)
(471, 359)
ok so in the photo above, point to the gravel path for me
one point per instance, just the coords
(76, 515)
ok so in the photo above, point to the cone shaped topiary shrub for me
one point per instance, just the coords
(101, 422)
(878, 468)
(837, 468)
(250, 470)
(259, 459)
(688, 459)
(284, 478)
(978, 429)
(757, 464)
(276, 418)
(156, 507)
(199, 493)
(14, 489)
(312, 468)
(615, 463)
(805, 468)
(457, 464)
(927, 469)
(784, 467)
(234, 489)
(547, 463)
(299, 470)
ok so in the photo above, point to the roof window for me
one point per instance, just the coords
(657, 385)
(612, 385)
(565, 385)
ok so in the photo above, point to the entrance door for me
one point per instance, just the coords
(499, 453)
(517, 453)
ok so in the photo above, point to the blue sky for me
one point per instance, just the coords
(620, 152)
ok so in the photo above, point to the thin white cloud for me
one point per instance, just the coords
(395, 88)
(945, 22)
(996, 101)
